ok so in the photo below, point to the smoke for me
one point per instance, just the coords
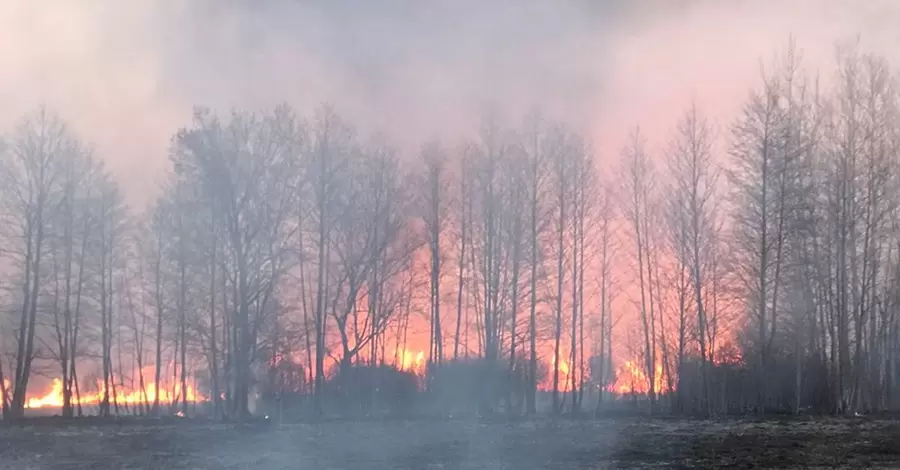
(126, 74)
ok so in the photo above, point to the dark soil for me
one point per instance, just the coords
(586, 444)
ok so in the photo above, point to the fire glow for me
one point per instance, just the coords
(631, 378)
(410, 361)
(54, 397)
(563, 368)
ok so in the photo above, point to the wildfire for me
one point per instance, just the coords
(728, 354)
(410, 361)
(564, 370)
(563, 367)
(54, 397)
(631, 378)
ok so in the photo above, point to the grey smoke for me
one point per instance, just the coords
(126, 74)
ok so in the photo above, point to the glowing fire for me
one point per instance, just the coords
(563, 367)
(54, 398)
(564, 370)
(631, 378)
(410, 361)
(727, 354)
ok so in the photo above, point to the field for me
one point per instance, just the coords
(589, 444)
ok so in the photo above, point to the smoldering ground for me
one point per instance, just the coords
(607, 443)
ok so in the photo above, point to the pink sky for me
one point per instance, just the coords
(126, 74)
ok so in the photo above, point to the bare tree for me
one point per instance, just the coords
(251, 164)
(862, 135)
(464, 221)
(607, 247)
(332, 142)
(756, 176)
(492, 149)
(536, 146)
(33, 173)
(365, 240)
(639, 189)
(583, 199)
(72, 236)
(435, 215)
(767, 143)
(110, 212)
(513, 224)
(694, 180)
(157, 292)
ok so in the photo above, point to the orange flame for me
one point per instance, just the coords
(564, 370)
(728, 354)
(54, 397)
(410, 361)
(631, 378)
(563, 367)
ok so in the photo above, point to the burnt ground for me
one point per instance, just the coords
(594, 444)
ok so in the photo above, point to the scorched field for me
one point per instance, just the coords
(589, 444)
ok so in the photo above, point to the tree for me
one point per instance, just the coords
(755, 178)
(251, 164)
(861, 135)
(332, 143)
(435, 214)
(33, 173)
(464, 221)
(492, 149)
(765, 149)
(536, 146)
(694, 180)
(366, 240)
(110, 213)
(513, 224)
(158, 297)
(72, 238)
(583, 198)
(488, 250)
(601, 371)
(638, 207)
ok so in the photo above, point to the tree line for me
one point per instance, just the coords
(747, 265)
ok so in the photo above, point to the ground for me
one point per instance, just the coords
(462, 444)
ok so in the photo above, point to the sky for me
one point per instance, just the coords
(126, 74)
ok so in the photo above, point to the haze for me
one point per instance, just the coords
(405, 234)
(127, 74)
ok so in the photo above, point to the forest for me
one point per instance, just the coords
(747, 266)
